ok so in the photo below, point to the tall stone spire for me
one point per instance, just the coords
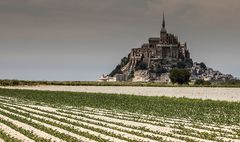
(163, 30)
(163, 22)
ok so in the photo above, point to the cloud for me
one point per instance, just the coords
(194, 10)
(103, 31)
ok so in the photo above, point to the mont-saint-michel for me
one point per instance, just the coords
(153, 61)
(159, 85)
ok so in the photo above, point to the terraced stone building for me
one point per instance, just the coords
(153, 60)
(165, 47)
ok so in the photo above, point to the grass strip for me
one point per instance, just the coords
(230, 83)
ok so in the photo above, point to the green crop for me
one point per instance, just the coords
(220, 112)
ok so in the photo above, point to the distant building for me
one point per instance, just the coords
(160, 53)
(120, 77)
(153, 61)
(163, 48)
(117, 77)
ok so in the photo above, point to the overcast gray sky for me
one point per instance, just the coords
(82, 39)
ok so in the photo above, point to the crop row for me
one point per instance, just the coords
(7, 137)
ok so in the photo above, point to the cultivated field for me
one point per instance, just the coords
(27, 121)
(27, 115)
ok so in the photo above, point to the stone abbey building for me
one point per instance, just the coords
(165, 47)
(153, 61)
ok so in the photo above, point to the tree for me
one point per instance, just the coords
(124, 61)
(186, 63)
(141, 66)
(181, 65)
(161, 70)
(116, 70)
(203, 65)
(180, 76)
(202, 82)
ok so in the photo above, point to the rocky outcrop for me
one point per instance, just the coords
(201, 71)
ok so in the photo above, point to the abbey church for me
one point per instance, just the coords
(165, 47)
